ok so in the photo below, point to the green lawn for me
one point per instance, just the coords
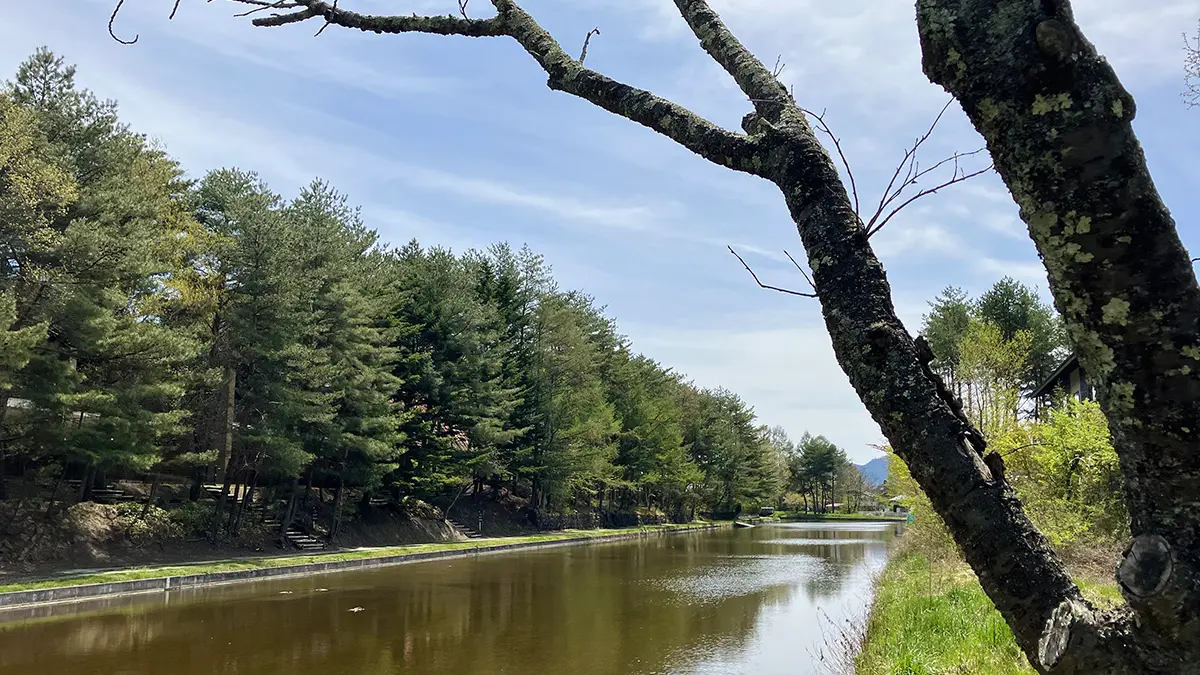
(936, 619)
(285, 560)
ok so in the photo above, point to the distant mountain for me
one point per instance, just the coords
(874, 471)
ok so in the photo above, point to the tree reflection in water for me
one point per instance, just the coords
(744, 601)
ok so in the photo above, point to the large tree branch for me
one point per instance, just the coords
(566, 74)
(760, 84)
(1015, 563)
(1058, 124)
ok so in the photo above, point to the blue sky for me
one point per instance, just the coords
(458, 142)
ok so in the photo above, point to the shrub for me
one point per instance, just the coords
(193, 518)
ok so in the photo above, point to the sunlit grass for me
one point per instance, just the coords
(936, 619)
(208, 567)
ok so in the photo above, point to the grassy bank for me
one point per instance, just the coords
(261, 562)
(934, 618)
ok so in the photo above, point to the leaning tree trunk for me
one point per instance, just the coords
(1058, 124)
(150, 497)
(1093, 235)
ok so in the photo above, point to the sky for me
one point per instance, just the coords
(458, 142)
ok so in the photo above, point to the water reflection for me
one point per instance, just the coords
(738, 601)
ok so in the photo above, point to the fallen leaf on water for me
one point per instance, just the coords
(356, 609)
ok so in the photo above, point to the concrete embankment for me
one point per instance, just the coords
(167, 583)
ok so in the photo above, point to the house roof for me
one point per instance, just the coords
(1047, 386)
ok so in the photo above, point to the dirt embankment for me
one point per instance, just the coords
(89, 536)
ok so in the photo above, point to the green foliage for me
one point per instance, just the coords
(192, 518)
(823, 476)
(1014, 308)
(1015, 311)
(142, 524)
(734, 455)
(1071, 479)
(926, 534)
(945, 326)
(1063, 465)
(933, 618)
(989, 376)
(217, 330)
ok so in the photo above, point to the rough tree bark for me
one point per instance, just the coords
(1108, 280)
(1058, 124)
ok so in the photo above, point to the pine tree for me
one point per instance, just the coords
(577, 437)
(258, 328)
(34, 192)
(109, 376)
(347, 353)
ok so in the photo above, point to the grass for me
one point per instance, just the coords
(934, 618)
(207, 567)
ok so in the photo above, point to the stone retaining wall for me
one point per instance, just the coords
(594, 521)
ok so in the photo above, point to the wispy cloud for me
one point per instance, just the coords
(789, 376)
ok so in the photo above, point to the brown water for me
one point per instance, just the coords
(753, 602)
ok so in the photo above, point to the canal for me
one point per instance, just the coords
(759, 601)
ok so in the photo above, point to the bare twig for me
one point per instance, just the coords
(587, 40)
(771, 288)
(1191, 69)
(462, 8)
(779, 66)
(876, 224)
(824, 128)
(1022, 447)
(913, 173)
(111, 19)
(327, 22)
(174, 9)
(801, 269)
(259, 6)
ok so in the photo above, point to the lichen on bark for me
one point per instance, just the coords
(1057, 123)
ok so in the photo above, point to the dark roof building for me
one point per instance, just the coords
(1069, 378)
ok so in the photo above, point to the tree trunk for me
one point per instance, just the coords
(197, 488)
(150, 497)
(1057, 122)
(290, 511)
(85, 486)
(225, 449)
(308, 481)
(335, 520)
(223, 497)
(54, 491)
(3, 446)
(246, 502)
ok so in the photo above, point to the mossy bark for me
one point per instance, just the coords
(1058, 124)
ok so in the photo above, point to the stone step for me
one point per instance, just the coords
(302, 540)
(470, 533)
